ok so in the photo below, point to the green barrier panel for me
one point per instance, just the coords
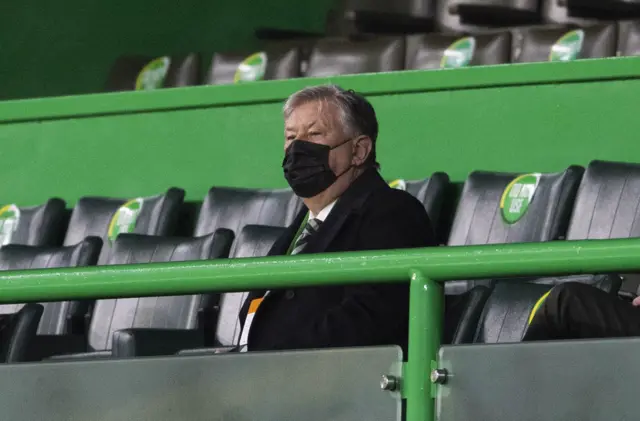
(421, 266)
(534, 117)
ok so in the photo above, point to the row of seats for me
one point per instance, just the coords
(350, 17)
(493, 208)
(337, 56)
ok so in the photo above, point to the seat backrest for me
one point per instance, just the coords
(629, 38)
(494, 209)
(340, 56)
(173, 312)
(430, 192)
(33, 226)
(564, 43)
(233, 208)
(20, 257)
(277, 62)
(254, 241)
(107, 218)
(607, 202)
(436, 51)
(130, 73)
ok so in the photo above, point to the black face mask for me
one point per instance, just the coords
(306, 167)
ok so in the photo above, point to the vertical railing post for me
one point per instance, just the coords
(425, 323)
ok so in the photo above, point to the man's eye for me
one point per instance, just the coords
(315, 134)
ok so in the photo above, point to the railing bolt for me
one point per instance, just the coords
(439, 376)
(389, 383)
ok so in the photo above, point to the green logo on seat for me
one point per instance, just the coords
(459, 54)
(9, 219)
(153, 74)
(252, 68)
(399, 184)
(568, 47)
(124, 220)
(517, 197)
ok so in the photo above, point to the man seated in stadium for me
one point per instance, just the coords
(580, 311)
(330, 162)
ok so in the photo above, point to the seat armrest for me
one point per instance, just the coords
(144, 342)
(18, 331)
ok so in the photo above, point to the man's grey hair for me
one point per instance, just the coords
(356, 114)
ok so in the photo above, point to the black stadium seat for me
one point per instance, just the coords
(354, 17)
(435, 51)
(629, 38)
(341, 56)
(254, 241)
(486, 215)
(107, 217)
(277, 62)
(162, 72)
(148, 325)
(41, 225)
(606, 206)
(607, 202)
(233, 208)
(159, 325)
(480, 216)
(51, 318)
(430, 192)
(563, 43)
(460, 15)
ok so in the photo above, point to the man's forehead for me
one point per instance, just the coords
(313, 113)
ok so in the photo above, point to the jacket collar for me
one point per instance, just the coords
(351, 202)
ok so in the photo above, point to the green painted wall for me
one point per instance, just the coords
(67, 47)
(532, 117)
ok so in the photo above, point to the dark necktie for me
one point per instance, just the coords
(312, 226)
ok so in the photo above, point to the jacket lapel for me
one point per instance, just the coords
(348, 205)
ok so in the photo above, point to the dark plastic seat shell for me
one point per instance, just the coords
(233, 208)
(170, 312)
(254, 241)
(534, 44)
(92, 216)
(183, 71)
(340, 56)
(49, 318)
(283, 62)
(606, 206)
(478, 219)
(425, 51)
(41, 225)
(629, 38)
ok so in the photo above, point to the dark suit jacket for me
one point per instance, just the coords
(368, 216)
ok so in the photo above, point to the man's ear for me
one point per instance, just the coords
(361, 150)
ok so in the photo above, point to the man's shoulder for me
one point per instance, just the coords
(387, 199)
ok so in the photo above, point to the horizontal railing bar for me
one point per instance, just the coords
(438, 263)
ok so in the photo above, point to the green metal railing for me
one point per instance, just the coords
(423, 268)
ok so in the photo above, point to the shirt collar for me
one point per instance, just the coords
(322, 215)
